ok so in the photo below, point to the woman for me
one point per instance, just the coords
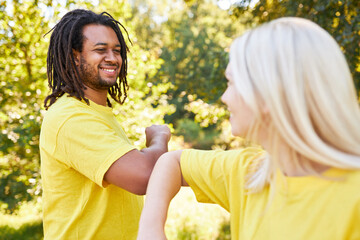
(289, 90)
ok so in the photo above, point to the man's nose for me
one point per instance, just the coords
(110, 56)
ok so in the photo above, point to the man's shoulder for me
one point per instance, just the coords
(67, 105)
(67, 102)
(63, 109)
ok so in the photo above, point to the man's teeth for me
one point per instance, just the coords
(109, 70)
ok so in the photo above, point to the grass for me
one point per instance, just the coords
(25, 225)
(28, 231)
(187, 220)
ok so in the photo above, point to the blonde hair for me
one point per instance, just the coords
(297, 71)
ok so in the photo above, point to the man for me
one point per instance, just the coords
(91, 173)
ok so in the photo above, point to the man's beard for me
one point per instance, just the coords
(92, 79)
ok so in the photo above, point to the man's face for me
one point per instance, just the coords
(100, 60)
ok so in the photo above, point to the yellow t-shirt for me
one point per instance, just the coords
(78, 144)
(302, 207)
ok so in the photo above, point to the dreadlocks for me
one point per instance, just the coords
(67, 35)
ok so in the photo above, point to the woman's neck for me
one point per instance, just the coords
(290, 162)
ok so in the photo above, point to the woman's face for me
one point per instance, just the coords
(241, 115)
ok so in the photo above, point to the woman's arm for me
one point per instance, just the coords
(165, 181)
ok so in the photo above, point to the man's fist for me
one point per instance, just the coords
(157, 133)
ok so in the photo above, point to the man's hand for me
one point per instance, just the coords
(157, 131)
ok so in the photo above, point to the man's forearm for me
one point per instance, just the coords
(157, 146)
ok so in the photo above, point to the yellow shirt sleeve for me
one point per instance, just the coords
(211, 173)
(90, 146)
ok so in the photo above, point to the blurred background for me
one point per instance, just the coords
(176, 65)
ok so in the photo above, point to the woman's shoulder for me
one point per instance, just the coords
(246, 153)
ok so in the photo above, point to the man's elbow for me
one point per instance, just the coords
(139, 188)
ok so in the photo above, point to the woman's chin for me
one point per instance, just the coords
(235, 132)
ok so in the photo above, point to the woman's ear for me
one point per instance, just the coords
(76, 57)
(265, 112)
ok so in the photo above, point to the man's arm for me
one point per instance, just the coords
(165, 182)
(132, 170)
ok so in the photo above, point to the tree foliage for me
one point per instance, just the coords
(22, 74)
(194, 51)
(340, 18)
(196, 36)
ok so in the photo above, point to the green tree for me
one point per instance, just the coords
(22, 87)
(194, 51)
(340, 18)
(195, 40)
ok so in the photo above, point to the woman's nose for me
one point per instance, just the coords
(223, 97)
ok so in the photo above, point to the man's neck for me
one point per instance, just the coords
(97, 96)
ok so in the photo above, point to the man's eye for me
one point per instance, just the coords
(100, 49)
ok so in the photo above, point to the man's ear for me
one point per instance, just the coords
(76, 57)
